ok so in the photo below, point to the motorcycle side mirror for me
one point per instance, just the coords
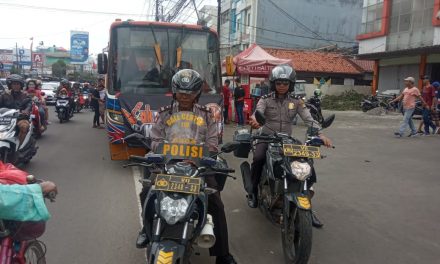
(230, 146)
(259, 116)
(328, 121)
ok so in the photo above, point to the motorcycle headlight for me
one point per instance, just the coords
(301, 170)
(173, 210)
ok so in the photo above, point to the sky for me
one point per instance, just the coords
(51, 21)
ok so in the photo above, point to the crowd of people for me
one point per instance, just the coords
(238, 94)
(429, 98)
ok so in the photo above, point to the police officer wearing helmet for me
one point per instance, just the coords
(279, 108)
(17, 99)
(186, 88)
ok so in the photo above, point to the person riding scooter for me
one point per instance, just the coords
(64, 84)
(15, 98)
(32, 91)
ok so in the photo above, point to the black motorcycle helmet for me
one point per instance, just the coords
(65, 82)
(283, 72)
(14, 78)
(187, 81)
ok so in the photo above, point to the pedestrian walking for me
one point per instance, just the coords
(239, 94)
(94, 103)
(428, 95)
(409, 96)
(102, 94)
(435, 112)
(226, 98)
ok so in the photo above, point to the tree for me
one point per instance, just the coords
(15, 70)
(59, 69)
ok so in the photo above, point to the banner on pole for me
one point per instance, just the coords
(79, 47)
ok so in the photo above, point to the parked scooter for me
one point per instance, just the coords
(314, 105)
(10, 149)
(284, 186)
(63, 108)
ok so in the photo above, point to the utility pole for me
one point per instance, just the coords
(157, 10)
(219, 14)
(16, 55)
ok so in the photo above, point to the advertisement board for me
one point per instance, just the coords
(79, 47)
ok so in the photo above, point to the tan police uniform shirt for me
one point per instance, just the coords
(279, 113)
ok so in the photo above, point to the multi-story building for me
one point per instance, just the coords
(208, 14)
(289, 24)
(403, 37)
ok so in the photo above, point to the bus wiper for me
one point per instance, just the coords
(157, 50)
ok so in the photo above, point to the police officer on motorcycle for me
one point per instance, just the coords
(186, 88)
(279, 108)
(17, 99)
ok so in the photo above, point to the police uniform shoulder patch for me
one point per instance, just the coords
(164, 108)
(269, 95)
(203, 108)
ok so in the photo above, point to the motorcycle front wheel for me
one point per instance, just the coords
(34, 253)
(297, 237)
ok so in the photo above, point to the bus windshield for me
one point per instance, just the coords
(143, 59)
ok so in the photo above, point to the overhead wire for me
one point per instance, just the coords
(46, 8)
(288, 34)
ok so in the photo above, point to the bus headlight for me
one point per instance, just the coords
(301, 170)
(116, 117)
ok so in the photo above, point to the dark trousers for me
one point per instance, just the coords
(217, 211)
(427, 121)
(226, 113)
(96, 116)
(239, 108)
(257, 164)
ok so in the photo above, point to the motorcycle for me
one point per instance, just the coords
(38, 127)
(19, 242)
(314, 105)
(284, 186)
(10, 149)
(85, 98)
(175, 211)
(63, 108)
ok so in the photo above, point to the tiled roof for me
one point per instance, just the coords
(314, 61)
(364, 65)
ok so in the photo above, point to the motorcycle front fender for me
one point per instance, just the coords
(5, 144)
(300, 200)
(168, 252)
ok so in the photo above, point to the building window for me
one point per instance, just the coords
(372, 16)
(225, 17)
(409, 15)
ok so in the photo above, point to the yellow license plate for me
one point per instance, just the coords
(180, 184)
(301, 151)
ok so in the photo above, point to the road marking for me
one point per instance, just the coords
(138, 187)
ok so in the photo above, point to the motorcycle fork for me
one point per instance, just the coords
(303, 189)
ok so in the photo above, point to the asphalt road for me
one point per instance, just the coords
(376, 194)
